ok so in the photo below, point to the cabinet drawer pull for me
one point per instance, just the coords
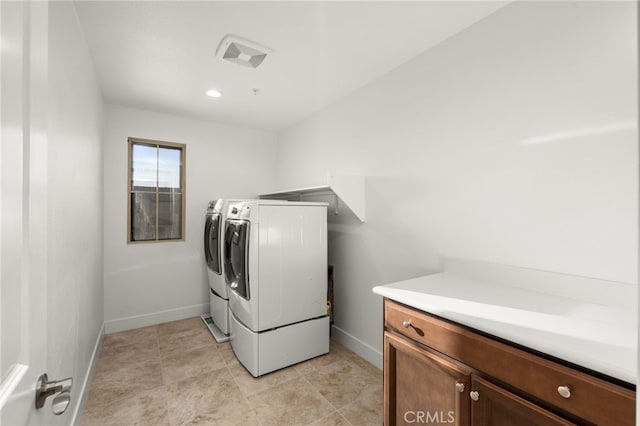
(460, 387)
(407, 324)
(475, 395)
(564, 391)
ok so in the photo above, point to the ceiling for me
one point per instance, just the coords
(161, 55)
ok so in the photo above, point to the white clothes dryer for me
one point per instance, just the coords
(276, 268)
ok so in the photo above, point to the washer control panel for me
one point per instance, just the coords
(234, 210)
(245, 211)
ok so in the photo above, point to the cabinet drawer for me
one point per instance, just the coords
(591, 399)
(494, 405)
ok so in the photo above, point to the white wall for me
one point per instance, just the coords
(75, 296)
(513, 142)
(152, 283)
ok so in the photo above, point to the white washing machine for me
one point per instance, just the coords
(276, 268)
(214, 254)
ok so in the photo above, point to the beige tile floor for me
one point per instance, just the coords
(176, 374)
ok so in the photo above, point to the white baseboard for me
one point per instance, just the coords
(144, 320)
(356, 345)
(88, 378)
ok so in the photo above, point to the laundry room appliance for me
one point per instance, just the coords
(276, 268)
(214, 255)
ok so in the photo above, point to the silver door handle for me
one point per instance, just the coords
(60, 403)
(60, 388)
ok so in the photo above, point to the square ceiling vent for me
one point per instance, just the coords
(242, 52)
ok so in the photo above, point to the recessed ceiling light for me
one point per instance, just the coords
(214, 93)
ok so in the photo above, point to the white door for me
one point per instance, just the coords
(23, 201)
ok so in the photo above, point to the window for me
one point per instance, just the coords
(156, 191)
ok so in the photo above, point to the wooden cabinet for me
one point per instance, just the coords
(439, 372)
(420, 384)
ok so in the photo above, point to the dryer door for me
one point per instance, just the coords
(212, 242)
(236, 257)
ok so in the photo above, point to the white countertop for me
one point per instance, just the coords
(596, 336)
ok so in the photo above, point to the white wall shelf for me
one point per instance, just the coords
(347, 189)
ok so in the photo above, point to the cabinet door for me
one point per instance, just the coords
(493, 405)
(421, 387)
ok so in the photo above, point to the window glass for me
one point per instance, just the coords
(170, 169)
(144, 167)
(169, 214)
(143, 216)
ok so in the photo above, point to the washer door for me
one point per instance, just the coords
(236, 257)
(212, 242)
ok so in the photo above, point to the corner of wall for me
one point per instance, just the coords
(369, 353)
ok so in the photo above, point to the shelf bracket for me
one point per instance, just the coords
(346, 189)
